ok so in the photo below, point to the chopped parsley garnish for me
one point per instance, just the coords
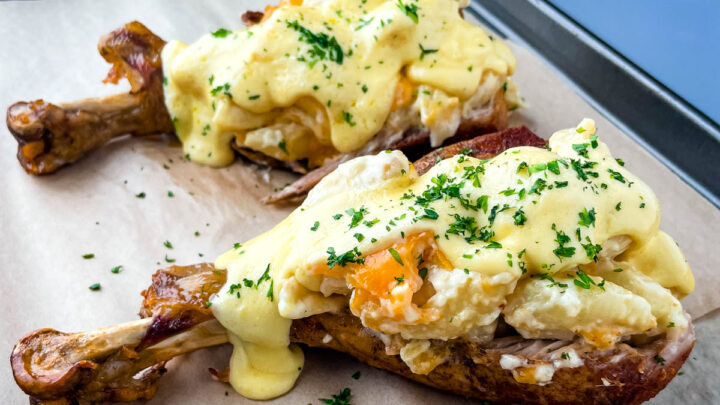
(581, 149)
(618, 270)
(363, 23)
(545, 276)
(423, 273)
(356, 216)
(582, 169)
(169, 260)
(237, 245)
(360, 237)
(88, 255)
(337, 216)
(322, 46)
(468, 228)
(315, 226)
(141, 195)
(537, 167)
(493, 245)
(343, 398)
(370, 224)
(538, 186)
(348, 118)
(264, 276)
(587, 218)
(659, 360)
(167, 244)
(254, 97)
(171, 194)
(351, 256)
(223, 88)
(620, 162)
(482, 203)
(618, 206)
(410, 10)
(205, 130)
(616, 175)
(424, 51)
(671, 325)
(496, 209)
(283, 147)
(94, 287)
(553, 167)
(562, 251)
(429, 214)
(592, 250)
(519, 217)
(395, 255)
(400, 279)
(221, 33)
(356, 376)
(270, 291)
(116, 269)
(585, 282)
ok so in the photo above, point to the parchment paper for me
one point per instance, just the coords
(47, 50)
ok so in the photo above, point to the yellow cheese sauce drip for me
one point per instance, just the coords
(334, 62)
(562, 242)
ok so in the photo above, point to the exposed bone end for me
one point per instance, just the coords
(42, 373)
(26, 123)
(47, 363)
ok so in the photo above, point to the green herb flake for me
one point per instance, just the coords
(169, 260)
(140, 195)
(410, 10)
(343, 398)
(315, 226)
(587, 218)
(395, 255)
(424, 51)
(116, 269)
(351, 256)
(221, 33)
(423, 273)
(94, 287)
(348, 118)
(88, 255)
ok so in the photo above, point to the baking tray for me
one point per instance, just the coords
(675, 132)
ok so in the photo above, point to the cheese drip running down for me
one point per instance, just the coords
(561, 242)
(321, 78)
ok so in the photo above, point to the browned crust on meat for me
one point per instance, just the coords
(475, 372)
(482, 147)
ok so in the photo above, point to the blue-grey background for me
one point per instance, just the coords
(676, 42)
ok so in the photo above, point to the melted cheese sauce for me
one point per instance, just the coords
(315, 80)
(562, 242)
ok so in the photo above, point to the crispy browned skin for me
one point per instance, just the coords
(482, 147)
(50, 136)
